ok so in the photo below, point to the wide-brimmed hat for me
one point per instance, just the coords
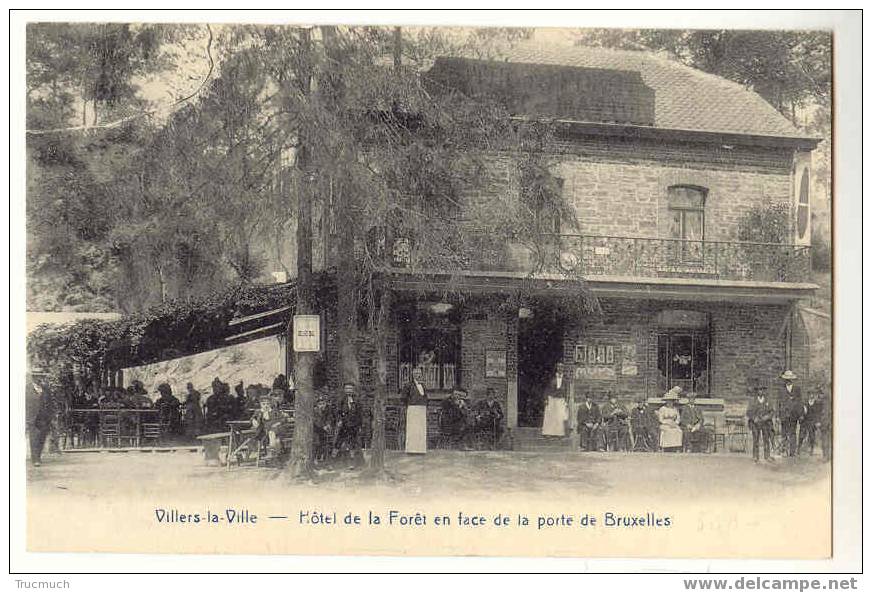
(788, 375)
(673, 394)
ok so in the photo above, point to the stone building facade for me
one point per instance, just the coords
(661, 189)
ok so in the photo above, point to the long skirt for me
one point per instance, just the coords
(670, 436)
(554, 420)
(416, 429)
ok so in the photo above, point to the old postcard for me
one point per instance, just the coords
(416, 290)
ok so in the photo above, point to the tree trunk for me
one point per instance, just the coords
(346, 303)
(300, 463)
(377, 460)
(301, 450)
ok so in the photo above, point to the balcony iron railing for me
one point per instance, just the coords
(597, 255)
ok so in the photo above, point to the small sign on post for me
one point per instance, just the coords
(307, 333)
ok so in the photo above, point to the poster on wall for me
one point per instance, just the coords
(495, 364)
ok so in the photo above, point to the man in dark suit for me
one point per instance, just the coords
(489, 416)
(614, 418)
(589, 424)
(169, 409)
(790, 410)
(350, 419)
(39, 410)
(691, 422)
(760, 414)
(452, 419)
(810, 424)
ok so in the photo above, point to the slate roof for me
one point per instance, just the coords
(685, 98)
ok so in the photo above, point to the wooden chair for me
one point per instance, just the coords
(110, 430)
(736, 434)
(151, 432)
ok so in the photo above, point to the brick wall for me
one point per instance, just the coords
(480, 330)
(747, 343)
(619, 187)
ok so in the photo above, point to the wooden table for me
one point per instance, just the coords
(240, 436)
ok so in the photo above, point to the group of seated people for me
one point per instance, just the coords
(466, 426)
(611, 427)
(189, 418)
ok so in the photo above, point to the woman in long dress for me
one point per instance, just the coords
(670, 430)
(556, 411)
(415, 397)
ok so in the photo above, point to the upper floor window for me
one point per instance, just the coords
(687, 212)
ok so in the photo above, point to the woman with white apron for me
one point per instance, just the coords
(416, 414)
(670, 430)
(556, 411)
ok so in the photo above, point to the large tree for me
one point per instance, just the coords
(383, 152)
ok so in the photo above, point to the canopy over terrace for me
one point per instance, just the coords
(98, 349)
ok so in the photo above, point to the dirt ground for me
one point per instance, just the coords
(473, 473)
(718, 505)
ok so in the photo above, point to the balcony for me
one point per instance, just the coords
(634, 257)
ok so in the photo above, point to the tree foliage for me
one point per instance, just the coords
(789, 69)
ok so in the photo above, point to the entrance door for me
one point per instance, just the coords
(540, 347)
(683, 360)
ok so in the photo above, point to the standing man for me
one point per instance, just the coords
(639, 424)
(760, 414)
(589, 419)
(415, 398)
(40, 411)
(692, 425)
(348, 425)
(790, 409)
(810, 424)
(192, 419)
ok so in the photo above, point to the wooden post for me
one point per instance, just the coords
(512, 380)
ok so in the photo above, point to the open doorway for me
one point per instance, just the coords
(540, 347)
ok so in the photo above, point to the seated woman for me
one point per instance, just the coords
(670, 430)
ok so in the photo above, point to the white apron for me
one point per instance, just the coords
(670, 431)
(416, 429)
(555, 416)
